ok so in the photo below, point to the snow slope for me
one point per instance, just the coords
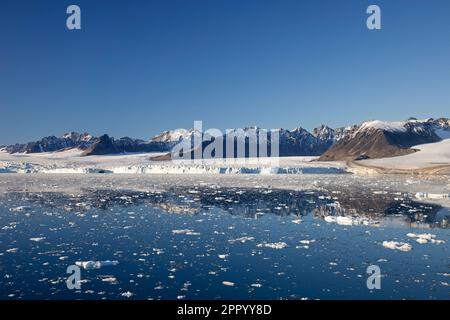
(430, 155)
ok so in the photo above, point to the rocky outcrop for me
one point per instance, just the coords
(377, 140)
(103, 145)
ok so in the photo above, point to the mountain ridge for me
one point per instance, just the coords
(370, 139)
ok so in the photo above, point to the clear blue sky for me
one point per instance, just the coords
(139, 67)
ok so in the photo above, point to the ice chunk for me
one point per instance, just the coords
(96, 264)
(274, 245)
(19, 209)
(111, 280)
(307, 241)
(350, 221)
(330, 219)
(37, 239)
(424, 238)
(345, 221)
(127, 294)
(187, 232)
(242, 239)
(433, 196)
(394, 245)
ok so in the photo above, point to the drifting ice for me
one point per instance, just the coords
(394, 245)
(88, 265)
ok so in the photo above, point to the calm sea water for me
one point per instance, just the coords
(211, 242)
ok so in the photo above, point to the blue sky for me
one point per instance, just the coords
(139, 67)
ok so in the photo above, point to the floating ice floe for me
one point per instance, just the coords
(274, 245)
(127, 294)
(37, 239)
(307, 241)
(88, 265)
(305, 244)
(242, 239)
(111, 280)
(424, 238)
(350, 221)
(19, 209)
(432, 196)
(188, 232)
(394, 245)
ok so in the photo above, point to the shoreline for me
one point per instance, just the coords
(365, 169)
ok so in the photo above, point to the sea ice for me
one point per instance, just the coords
(424, 238)
(242, 239)
(394, 245)
(187, 232)
(37, 239)
(274, 245)
(88, 265)
(19, 209)
(127, 294)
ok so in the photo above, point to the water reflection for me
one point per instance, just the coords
(357, 205)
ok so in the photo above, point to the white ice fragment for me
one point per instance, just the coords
(241, 239)
(394, 245)
(188, 232)
(350, 221)
(228, 283)
(330, 219)
(424, 238)
(37, 239)
(110, 280)
(127, 294)
(433, 196)
(345, 221)
(96, 264)
(307, 241)
(274, 245)
(19, 209)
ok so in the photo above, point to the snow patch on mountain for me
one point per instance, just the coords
(383, 125)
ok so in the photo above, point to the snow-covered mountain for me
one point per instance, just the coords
(176, 135)
(371, 139)
(66, 141)
(380, 139)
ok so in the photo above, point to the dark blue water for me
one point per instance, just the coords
(158, 261)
